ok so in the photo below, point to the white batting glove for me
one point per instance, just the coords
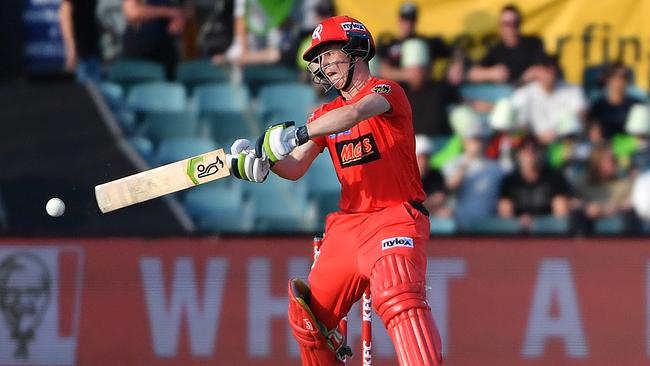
(280, 139)
(245, 165)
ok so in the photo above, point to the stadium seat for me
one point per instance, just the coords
(296, 100)
(632, 91)
(282, 206)
(549, 225)
(613, 225)
(144, 147)
(256, 76)
(495, 225)
(239, 222)
(321, 176)
(225, 128)
(224, 111)
(196, 72)
(128, 72)
(485, 92)
(213, 199)
(112, 92)
(157, 97)
(221, 97)
(159, 126)
(442, 226)
(175, 149)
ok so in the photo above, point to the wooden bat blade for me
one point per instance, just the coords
(160, 181)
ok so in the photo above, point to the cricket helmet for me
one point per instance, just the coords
(357, 40)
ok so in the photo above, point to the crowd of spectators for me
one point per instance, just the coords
(547, 149)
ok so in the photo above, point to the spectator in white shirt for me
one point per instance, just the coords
(541, 103)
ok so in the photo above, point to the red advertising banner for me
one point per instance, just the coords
(519, 301)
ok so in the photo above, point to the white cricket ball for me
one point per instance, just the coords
(55, 207)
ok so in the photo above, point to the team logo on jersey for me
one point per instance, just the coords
(353, 26)
(381, 89)
(357, 151)
(399, 241)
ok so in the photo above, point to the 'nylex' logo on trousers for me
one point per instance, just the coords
(399, 241)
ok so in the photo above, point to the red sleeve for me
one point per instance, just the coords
(320, 141)
(400, 108)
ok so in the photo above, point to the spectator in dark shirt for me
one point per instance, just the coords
(607, 114)
(533, 189)
(80, 33)
(152, 31)
(407, 59)
(513, 59)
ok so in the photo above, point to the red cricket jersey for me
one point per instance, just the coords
(375, 160)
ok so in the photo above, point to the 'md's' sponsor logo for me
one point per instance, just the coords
(398, 241)
(357, 151)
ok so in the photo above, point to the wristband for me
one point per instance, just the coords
(302, 135)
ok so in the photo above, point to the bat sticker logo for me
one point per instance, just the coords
(204, 170)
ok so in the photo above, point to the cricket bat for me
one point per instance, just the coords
(160, 181)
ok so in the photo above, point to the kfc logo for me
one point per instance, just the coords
(317, 31)
(38, 325)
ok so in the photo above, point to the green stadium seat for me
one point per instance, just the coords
(549, 225)
(113, 92)
(157, 97)
(196, 72)
(321, 176)
(257, 76)
(225, 128)
(442, 226)
(296, 100)
(282, 206)
(159, 126)
(144, 147)
(224, 111)
(128, 72)
(495, 226)
(213, 199)
(221, 97)
(486, 92)
(614, 225)
(175, 149)
(236, 223)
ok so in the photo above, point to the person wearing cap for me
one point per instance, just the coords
(433, 182)
(407, 59)
(541, 103)
(514, 58)
(377, 238)
(471, 177)
(533, 189)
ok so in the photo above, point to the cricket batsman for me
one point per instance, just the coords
(377, 238)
